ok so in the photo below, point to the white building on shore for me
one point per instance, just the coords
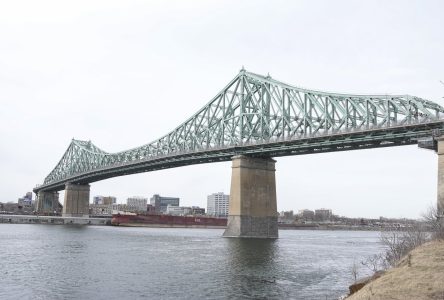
(218, 204)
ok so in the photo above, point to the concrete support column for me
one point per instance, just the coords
(440, 200)
(253, 210)
(47, 202)
(76, 200)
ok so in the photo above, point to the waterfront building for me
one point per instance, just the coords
(100, 210)
(161, 203)
(306, 214)
(187, 211)
(184, 210)
(287, 214)
(117, 208)
(323, 214)
(104, 200)
(175, 210)
(137, 204)
(26, 202)
(150, 209)
(97, 200)
(109, 200)
(197, 211)
(10, 207)
(286, 217)
(217, 204)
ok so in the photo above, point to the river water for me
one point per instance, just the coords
(100, 262)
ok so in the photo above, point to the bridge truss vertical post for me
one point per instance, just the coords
(253, 210)
(76, 202)
(242, 110)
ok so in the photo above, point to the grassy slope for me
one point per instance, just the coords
(423, 278)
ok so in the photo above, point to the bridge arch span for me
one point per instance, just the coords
(252, 119)
(257, 115)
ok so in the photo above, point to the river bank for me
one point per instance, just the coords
(58, 220)
(53, 220)
(329, 227)
(419, 275)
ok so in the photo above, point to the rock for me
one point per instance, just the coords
(359, 284)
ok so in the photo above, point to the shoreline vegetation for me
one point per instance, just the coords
(418, 275)
(412, 266)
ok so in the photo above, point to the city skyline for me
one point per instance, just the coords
(84, 84)
(113, 202)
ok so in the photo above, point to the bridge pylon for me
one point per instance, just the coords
(47, 202)
(253, 210)
(76, 203)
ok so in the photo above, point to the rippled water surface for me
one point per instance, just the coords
(70, 262)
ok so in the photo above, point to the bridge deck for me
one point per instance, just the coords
(331, 142)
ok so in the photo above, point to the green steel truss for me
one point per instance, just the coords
(260, 116)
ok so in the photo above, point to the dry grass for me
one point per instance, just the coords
(419, 275)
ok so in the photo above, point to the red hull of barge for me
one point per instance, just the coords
(167, 221)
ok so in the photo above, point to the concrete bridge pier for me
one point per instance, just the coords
(440, 200)
(76, 202)
(47, 202)
(253, 210)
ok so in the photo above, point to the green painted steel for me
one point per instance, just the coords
(260, 116)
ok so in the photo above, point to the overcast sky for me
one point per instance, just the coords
(123, 73)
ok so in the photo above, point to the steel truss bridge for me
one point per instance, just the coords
(258, 116)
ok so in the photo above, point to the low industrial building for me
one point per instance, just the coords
(184, 210)
(100, 210)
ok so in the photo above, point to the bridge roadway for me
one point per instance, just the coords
(253, 119)
(357, 140)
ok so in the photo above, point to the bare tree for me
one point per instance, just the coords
(435, 222)
(400, 242)
(354, 271)
(375, 262)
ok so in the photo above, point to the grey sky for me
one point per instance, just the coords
(123, 73)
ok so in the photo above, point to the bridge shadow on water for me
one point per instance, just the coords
(252, 265)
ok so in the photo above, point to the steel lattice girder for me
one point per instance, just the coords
(258, 115)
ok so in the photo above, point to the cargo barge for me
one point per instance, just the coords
(167, 221)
